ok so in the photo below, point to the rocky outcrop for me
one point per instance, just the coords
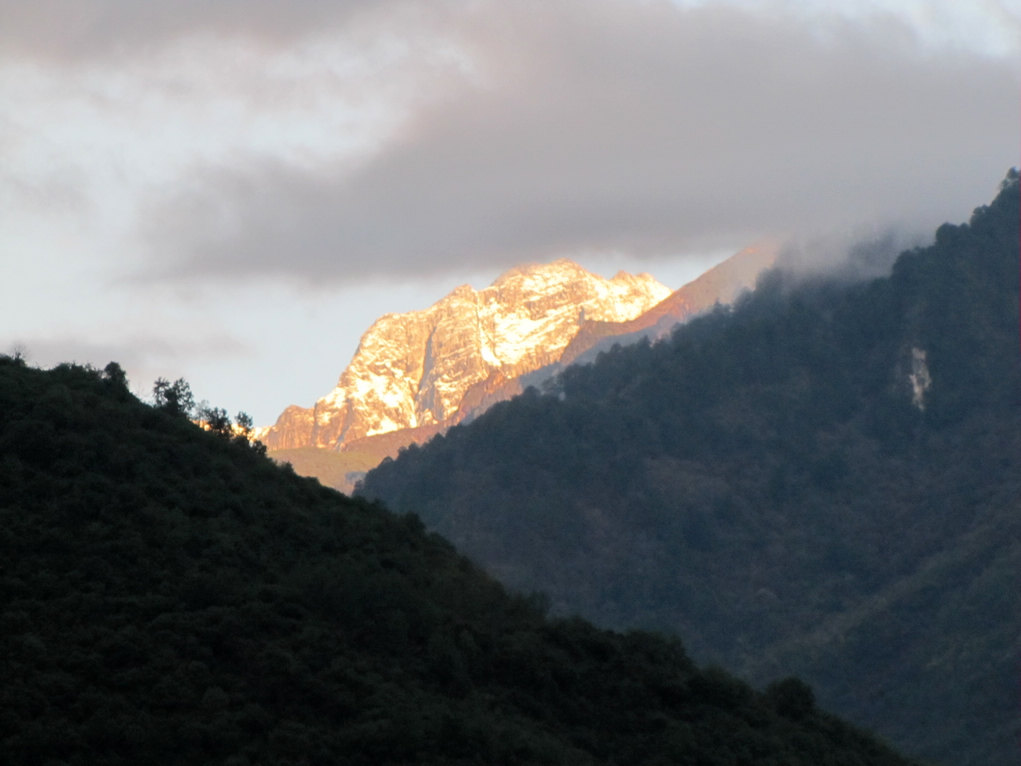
(432, 368)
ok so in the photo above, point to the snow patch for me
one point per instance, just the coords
(920, 379)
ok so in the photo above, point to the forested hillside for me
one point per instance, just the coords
(169, 595)
(822, 480)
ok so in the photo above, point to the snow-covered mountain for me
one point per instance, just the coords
(432, 368)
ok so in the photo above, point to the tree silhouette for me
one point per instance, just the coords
(175, 398)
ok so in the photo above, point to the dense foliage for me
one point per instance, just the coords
(170, 595)
(823, 480)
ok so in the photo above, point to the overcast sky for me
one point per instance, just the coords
(231, 191)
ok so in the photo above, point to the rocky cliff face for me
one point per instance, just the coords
(431, 367)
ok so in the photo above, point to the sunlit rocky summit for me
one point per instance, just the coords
(432, 367)
(417, 373)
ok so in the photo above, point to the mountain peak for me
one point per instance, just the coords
(562, 269)
(419, 368)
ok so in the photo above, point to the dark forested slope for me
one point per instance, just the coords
(823, 480)
(169, 595)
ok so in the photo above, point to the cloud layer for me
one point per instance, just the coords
(335, 142)
(79, 30)
(620, 126)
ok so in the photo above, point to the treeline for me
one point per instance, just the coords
(170, 596)
(822, 479)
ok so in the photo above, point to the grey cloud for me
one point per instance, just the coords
(622, 126)
(71, 30)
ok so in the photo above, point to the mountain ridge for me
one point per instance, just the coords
(168, 595)
(721, 284)
(579, 334)
(824, 477)
(413, 369)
